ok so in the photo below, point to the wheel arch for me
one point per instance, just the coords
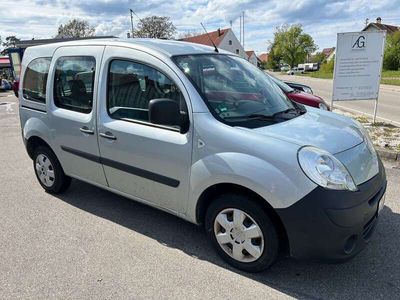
(33, 142)
(213, 191)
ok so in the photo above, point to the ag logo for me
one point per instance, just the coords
(360, 43)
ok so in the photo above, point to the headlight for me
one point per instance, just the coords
(323, 106)
(308, 90)
(325, 169)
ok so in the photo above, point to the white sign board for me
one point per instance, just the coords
(358, 65)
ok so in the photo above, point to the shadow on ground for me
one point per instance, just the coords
(374, 273)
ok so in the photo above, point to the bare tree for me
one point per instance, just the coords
(75, 28)
(188, 34)
(155, 27)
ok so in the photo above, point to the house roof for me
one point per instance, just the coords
(388, 28)
(328, 51)
(263, 57)
(217, 36)
(250, 53)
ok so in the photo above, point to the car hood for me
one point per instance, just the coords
(304, 96)
(319, 128)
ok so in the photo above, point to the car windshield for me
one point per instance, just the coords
(233, 88)
(281, 84)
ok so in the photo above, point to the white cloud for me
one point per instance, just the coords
(321, 19)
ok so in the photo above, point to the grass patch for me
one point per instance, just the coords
(388, 77)
(362, 119)
(391, 74)
(392, 81)
(318, 74)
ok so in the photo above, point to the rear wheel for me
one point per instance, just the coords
(49, 171)
(242, 233)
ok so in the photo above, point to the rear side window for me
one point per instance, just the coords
(35, 80)
(73, 83)
(132, 85)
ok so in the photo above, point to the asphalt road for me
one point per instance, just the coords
(89, 243)
(388, 102)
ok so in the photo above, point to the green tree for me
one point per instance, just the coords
(318, 57)
(75, 28)
(327, 66)
(391, 59)
(155, 27)
(292, 44)
(10, 41)
(274, 57)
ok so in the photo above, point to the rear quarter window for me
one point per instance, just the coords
(73, 83)
(35, 80)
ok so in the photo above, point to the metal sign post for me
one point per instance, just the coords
(358, 66)
(375, 110)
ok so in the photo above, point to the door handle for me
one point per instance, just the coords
(86, 130)
(108, 135)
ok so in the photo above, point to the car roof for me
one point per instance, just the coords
(165, 47)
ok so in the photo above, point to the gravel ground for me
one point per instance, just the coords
(383, 135)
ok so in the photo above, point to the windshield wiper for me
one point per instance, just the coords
(251, 117)
(256, 116)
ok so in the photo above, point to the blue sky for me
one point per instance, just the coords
(321, 19)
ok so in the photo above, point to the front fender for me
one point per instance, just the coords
(279, 189)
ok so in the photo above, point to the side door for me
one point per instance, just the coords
(144, 160)
(72, 110)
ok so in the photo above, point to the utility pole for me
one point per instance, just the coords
(366, 22)
(243, 31)
(240, 34)
(131, 12)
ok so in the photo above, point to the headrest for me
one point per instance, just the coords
(123, 79)
(77, 86)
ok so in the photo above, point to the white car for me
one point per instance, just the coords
(206, 136)
(295, 71)
(285, 68)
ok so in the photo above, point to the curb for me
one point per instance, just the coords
(388, 154)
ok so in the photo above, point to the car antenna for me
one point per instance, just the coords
(215, 47)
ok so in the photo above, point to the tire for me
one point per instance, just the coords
(265, 247)
(49, 172)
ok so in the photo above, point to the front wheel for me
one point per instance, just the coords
(49, 172)
(242, 233)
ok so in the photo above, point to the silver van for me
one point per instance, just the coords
(206, 136)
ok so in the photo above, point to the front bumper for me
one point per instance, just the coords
(334, 225)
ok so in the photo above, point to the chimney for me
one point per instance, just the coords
(219, 32)
(378, 20)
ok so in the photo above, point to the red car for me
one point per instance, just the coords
(299, 96)
(15, 86)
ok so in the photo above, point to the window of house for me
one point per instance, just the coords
(230, 42)
(132, 85)
(35, 80)
(73, 83)
(237, 51)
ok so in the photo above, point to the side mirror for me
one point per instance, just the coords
(165, 111)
